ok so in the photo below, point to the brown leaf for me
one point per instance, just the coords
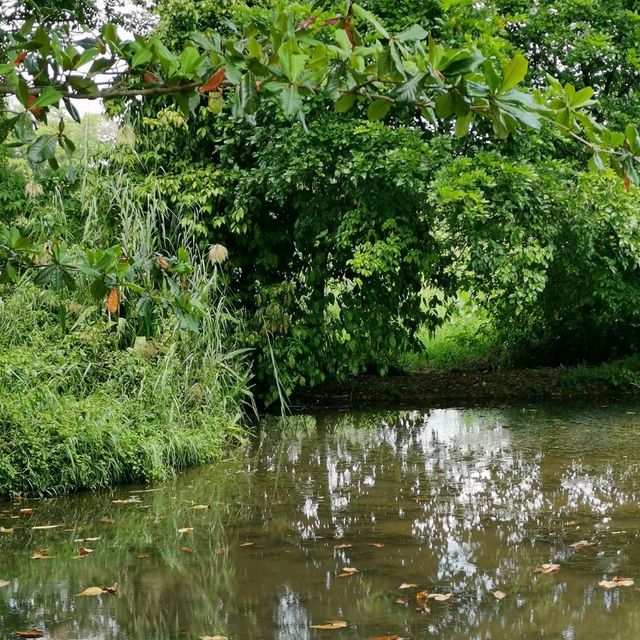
(17, 60)
(185, 530)
(186, 549)
(342, 546)
(438, 597)
(498, 595)
(305, 24)
(30, 633)
(571, 523)
(91, 592)
(149, 77)
(583, 544)
(122, 501)
(214, 82)
(547, 568)
(26, 512)
(407, 585)
(113, 304)
(143, 556)
(377, 545)
(247, 544)
(41, 555)
(384, 638)
(85, 551)
(200, 506)
(618, 581)
(113, 589)
(330, 625)
(220, 550)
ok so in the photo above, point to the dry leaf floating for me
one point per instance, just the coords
(330, 625)
(618, 581)
(547, 568)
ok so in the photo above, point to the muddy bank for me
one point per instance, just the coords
(464, 389)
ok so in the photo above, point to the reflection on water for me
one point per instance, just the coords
(463, 501)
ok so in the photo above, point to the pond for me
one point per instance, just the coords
(463, 502)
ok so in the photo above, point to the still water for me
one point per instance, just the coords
(453, 501)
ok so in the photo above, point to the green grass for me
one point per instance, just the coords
(466, 342)
(83, 411)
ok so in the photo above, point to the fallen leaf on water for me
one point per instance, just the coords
(30, 633)
(571, 523)
(44, 527)
(349, 570)
(186, 549)
(498, 595)
(407, 585)
(200, 506)
(26, 512)
(91, 539)
(113, 589)
(342, 546)
(547, 568)
(385, 638)
(618, 581)
(41, 555)
(85, 551)
(220, 550)
(247, 544)
(185, 530)
(583, 544)
(330, 625)
(130, 501)
(380, 545)
(438, 597)
(4, 583)
(212, 638)
(3, 530)
(143, 556)
(107, 520)
(401, 600)
(91, 592)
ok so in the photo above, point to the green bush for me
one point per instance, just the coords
(82, 412)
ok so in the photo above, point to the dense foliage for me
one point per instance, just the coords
(361, 172)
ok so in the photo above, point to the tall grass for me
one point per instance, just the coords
(89, 408)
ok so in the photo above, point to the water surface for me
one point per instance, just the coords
(454, 501)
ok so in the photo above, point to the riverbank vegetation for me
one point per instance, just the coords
(287, 194)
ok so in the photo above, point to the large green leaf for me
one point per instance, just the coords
(514, 72)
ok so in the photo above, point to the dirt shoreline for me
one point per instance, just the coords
(460, 388)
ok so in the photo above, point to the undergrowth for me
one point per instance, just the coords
(84, 411)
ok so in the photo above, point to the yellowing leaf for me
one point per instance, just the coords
(616, 582)
(200, 507)
(91, 592)
(247, 544)
(185, 530)
(547, 568)
(331, 625)
(377, 545)
(498, 595)
(407, 585)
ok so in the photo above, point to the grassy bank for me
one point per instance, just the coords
(84, 410)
